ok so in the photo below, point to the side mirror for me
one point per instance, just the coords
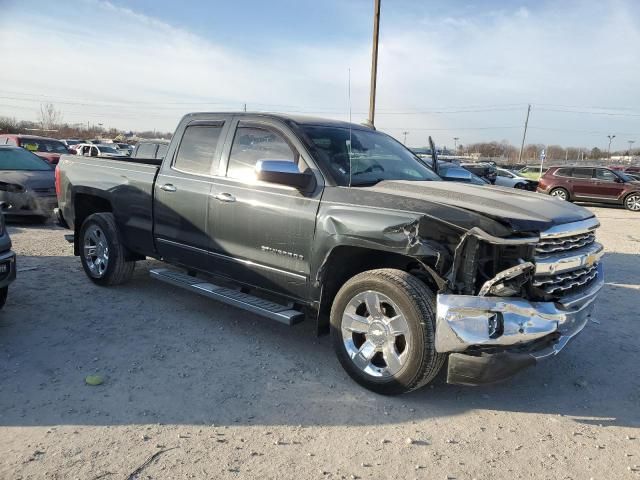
(283, 172)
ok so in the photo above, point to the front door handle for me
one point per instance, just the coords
(225, 197)
(167, 187)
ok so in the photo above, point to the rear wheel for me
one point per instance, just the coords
(102, 253)
(560, 193)
(520, 186)
(632, 202)
(383, 331)
(3, 296)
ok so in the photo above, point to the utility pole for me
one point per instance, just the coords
(455, 144)
(631, 142)
(524, 134)
(374, 64)
(245, 107)
(610, 137)
(405, 137)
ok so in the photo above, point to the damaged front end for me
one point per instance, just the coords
(511, 302)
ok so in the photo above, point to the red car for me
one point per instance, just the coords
(49, 149)
(591, 184)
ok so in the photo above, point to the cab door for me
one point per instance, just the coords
(181, 195)
(263, 232)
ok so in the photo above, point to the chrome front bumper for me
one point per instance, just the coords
(469, 321)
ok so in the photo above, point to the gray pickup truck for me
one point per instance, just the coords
(294, 218)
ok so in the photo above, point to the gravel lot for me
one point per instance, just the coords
(197, 389)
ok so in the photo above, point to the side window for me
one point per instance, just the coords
(563, 172)
(251, 144)
(162, 150)
(605, 175)
(582, 173)
(198, 148)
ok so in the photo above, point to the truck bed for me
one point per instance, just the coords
(127, 185)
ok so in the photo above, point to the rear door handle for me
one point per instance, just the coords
(167, 187)
(225, 197)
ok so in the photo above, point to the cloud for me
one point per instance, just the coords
(112, 65)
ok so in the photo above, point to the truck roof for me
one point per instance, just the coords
(297, 119)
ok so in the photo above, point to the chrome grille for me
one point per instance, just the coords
(567, 258)
(561, 283)
(565, 244)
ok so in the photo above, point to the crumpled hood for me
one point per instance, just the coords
(519, 210)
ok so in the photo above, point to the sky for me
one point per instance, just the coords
(447, 68)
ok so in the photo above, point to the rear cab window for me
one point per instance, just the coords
(198, 148)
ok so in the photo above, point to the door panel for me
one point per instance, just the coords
(182, 195)
(582, 181)
(181, 213)
(606, 185)
(263, 233)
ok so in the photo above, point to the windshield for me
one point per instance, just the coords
(19, 159)
(43, 145)
(110, 150)
(370, 156)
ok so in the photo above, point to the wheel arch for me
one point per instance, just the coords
(345, 261)
(86, 203)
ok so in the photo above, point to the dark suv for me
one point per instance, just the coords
(591, 184)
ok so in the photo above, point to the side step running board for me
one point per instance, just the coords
(265, 308)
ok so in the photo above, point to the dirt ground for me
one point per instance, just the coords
(196, 389)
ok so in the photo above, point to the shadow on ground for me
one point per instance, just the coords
(171, 357)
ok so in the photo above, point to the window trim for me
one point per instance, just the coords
(198, 123)
(263, 126)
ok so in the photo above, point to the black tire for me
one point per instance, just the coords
(118, 270)
(416, 303)
(3, 296)
(520, 186)
(632, 202)
(561, 193)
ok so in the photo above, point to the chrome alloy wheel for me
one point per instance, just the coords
(559, 193)
(96, 251)
(632, 202)
(376, 334)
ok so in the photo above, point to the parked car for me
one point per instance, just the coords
(485, 170)
(633, 169)
(451, 172)
(48, 148)
(345, 226)
(124, 148)
(98, 150)
(7, 259)
(150, 149)
(591, 184)
(26, 184)
(634, 176)
(532, 172)
(507, 178)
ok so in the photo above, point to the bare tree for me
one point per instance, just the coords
(50, 116)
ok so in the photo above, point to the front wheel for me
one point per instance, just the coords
(632, 202)
(102, 253)
(3, 296)
(383, 331)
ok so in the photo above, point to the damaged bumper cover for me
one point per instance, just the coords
(492, 338)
